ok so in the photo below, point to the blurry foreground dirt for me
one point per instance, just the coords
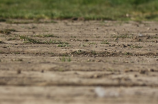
(78, 62)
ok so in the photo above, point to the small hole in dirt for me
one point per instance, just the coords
(19, 71)
(152, 70)
(42, 71)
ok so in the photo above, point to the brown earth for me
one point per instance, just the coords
(78, 62)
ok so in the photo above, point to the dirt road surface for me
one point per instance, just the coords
(78, 62)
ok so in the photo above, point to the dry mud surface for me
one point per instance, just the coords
(78, 62)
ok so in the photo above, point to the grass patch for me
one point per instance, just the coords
(30, 40)
(63, 45)
(105, 42)
(1, 42)
(55, 42)
(136, 46)
(123, 36)
(2, 20)
(92, 43)
(35, 41)
(127, 53)
(93, 52)
(65, 59)
(17, 52)
(14, 38)
(28, 22)
(7, 31)
(87, 9)
(73, 36)
(47, 35)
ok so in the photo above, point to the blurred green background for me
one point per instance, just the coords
(87, 9)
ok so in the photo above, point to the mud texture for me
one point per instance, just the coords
(78, 62)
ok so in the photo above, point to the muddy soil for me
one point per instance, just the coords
(78, 62)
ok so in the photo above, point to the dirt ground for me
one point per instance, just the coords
(78, 62)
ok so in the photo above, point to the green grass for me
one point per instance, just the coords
(65, 59)
(36, 20)
(123, 36)
(14, 38)
(63, 45)
(30, 40)
(36, 41)
(136, 46)
(1, 42)
(47, 35)
(88, 9)
(105, 42)
(7, 31)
